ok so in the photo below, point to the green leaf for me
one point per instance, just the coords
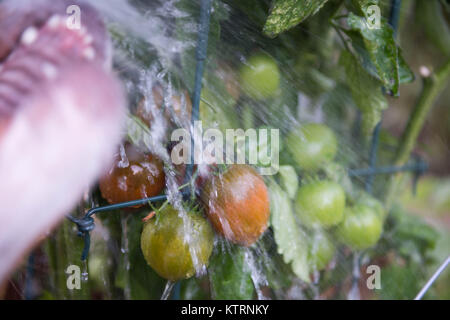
(230, 279)
(286, 14)
(357, 43)
(191, 289)
(382, 50)
(410, 228)
(361, 5)
(405, 73)
(289, 180)
(290, 239)
(366, 92)
(400, 282)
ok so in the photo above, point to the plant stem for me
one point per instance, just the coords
(433, 86)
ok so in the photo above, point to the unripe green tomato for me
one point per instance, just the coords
(166, 248)
(260, 77)
(312, 146)
(370, 201)
(321, 251)
(361, 227)
(320, 203)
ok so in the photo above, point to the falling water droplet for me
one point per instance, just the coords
(126, 259)
(354, 293)
(315, 285)
(84, 273)
(168, 290)
(256, 273)
(124, 162)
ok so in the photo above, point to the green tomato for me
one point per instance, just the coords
(321, 251)
(260, 77)
(312, 146)
(320, 203)
(370, 201)
(164, 245)
(361, 227)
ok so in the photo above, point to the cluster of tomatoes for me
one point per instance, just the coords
(321, 203)
(235, 199)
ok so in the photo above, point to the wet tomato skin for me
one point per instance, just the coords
(361, 228)
(141, 176)
(260, 77)
(366, 199)
(164, 244)
(237, 204)
(312, 146)
(320, 203)
(180, 103)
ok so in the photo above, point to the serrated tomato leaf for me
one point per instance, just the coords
(289, 180)
(366, 92)
(382, 49)
(290, 239)
(404, 71)
(286, 14)
(364, 58)
(362, 5)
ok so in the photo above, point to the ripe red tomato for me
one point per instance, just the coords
(237, 204)
(137, 176)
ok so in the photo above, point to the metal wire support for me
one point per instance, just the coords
(432, 279)
(29, 291)
(373, 157)
(418, 167)
(201, 53)
(86, 224)
(394, 15)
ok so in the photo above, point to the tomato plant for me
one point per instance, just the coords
(317, 72)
